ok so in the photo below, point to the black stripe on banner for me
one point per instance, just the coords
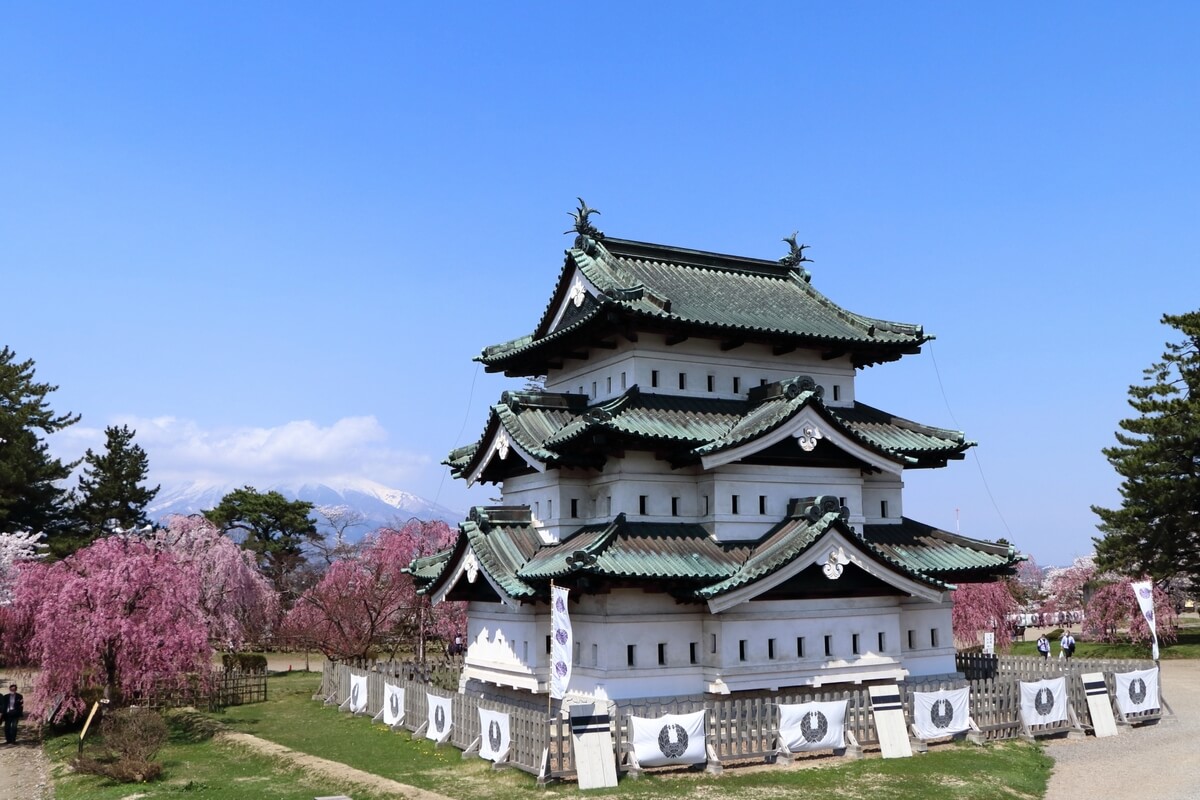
(885, 702)
(594, 719)
(1095, 687)
(591, 729)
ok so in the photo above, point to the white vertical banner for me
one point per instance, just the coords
(1144, 592)
(1137, 691)
(561, 643)
(494, 734)
(1043, 702)
(669, 739)
(941, 713)
(813, 726)
(358, 693)
(393, 704)
(439, 719)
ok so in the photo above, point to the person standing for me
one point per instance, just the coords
(1043, 646)
(13, 709)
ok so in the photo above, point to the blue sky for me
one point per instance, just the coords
(273, 236)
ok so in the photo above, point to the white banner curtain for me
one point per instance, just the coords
(1137, 691)
(941, 713)
(813, 726)
(561, 643)
(439, 717)
(1144, 592)
(669, 739)
(1044, 702)
(358, 693)
(494, 733)
(393, 704)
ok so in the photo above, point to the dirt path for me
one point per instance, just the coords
(331, 769)
(1155, 760)
(23, 770)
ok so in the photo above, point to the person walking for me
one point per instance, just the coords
(12, 710)
(1067, 644)
(1043, 646)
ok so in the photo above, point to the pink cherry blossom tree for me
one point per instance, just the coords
(366, 603)
(1067, 590)
(240, 604)
(982, 607)
(15, 549)
(1113, 615)
(120, 618)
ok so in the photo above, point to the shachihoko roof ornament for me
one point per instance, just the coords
(796, 257)
(583, 224)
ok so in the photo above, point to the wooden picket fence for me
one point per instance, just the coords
(739, 728)
(221, 690)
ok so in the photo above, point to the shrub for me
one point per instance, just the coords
(131, 737)
(244, 662)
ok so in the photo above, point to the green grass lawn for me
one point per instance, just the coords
(1188, 646)
(292, 718)
(194, 766)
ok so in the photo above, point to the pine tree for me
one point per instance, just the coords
(1156, 531)
(31, 497)
(276, 530)
(111, 494)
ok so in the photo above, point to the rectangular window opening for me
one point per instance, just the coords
(828, 645)
(693, 652)
(762, 504)
(549, 509)
(741, 649)
(706, 505)
(712, 383)
(653, 378)
(595, 655)
(737, 385)
(854, 644)
(662, 654)
(674, 506)
(575, 657)
(642, 503)
(912, 640)
(713, 641)
(771, 649)
(762, 381)
(799, 647)
(733, 503)
(608, 384)
(933, 637)
(574, 508)
(882, 642)
(682, 380)
(883, 508)
(547, 645)
(630, 655)
(837, 393)
(623, 380)
(593, 388)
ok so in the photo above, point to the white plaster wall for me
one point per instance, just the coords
(599, 376)
(624, 481)
(507, 646)
(922, 618)
(879, 488)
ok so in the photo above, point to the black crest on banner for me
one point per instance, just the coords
(814, 726)
(354, 697)
(394, 704)
(494, 735)
(439, 719)
(672, 749)
(941, 714)
(1137, 691)
(1043, 702)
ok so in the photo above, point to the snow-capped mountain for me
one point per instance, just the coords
(379, 505)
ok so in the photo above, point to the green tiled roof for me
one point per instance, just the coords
(938, 552)
(557, 429)
(685, 559)
(698, 293)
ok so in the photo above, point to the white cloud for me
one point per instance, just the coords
(181, 450)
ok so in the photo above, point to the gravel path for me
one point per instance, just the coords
(23, 769)
(1157, 761)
